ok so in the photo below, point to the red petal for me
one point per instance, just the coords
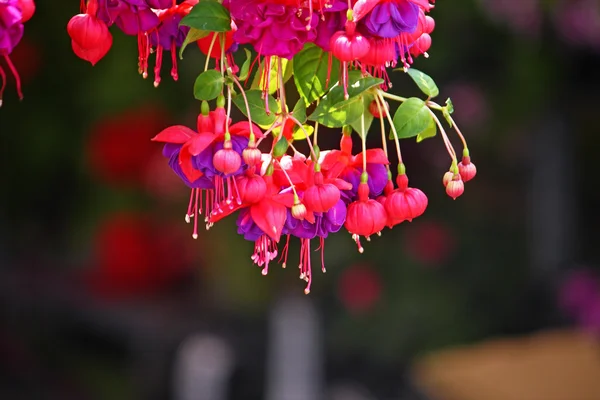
(376, 156)
(285, 199)
(174, 134)
(310, 217)
(185, 161)
(331, 159)
(342, 184)
(270, 217)
(243, 129)
(226, 211)
(200, 142)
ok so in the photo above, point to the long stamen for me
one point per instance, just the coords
(16, 75)
(3, 76)
(174, 73)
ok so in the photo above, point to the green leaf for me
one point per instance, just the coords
(208, 15)
(411, 119)
(193, 35)
(208, 85)
(246, 66)
(447, 110)
(281, 147)
(311, 67)
(299, 133)
(257, 107)
(338, 114)
(424, 82)
(299, 111)
(335, 111)
(357, 125)
(429, 132)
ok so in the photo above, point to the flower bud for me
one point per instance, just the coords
(347, 47)
(467, 169)
(299, 211)
(447, 178)
(455, 187)
(251, 156)
(27, 9)
(374, 109)
(227, 160)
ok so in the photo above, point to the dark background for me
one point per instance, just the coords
(101, 282)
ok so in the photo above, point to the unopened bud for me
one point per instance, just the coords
(299, 211)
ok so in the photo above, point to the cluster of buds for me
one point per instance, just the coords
(253, 168)
(13, 14)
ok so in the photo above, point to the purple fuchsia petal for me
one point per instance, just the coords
(390, 19)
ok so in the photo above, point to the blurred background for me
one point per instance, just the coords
(495, 296)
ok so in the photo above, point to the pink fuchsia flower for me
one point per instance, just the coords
(11, 33)
(131, 16)
(90, 37)
(11, 26)
(348, 167)
(272, 29)
(404, 203)
(365, 216)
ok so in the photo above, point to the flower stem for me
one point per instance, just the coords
(462, 138)
(212, 44)
(237, 82)
(389, 118)
(382, 123)
(447, 142)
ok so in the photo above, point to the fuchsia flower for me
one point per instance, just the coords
(272, 29)
(13, 13)
(274, 194)
(90, 37)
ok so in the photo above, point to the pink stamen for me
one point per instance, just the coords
(174, 73)
(3, 75)
(196, 215)
(284, 254)
(16, 75)
(157, 66)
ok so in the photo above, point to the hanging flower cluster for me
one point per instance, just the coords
(337, 55)
(13, 14)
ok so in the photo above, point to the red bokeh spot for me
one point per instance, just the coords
(359, 288)
(429, 242)
(119, 148)
(135, 255)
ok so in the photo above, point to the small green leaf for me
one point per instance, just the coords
(299, 133)
(299, 111)
(208, 15)
(208, 85)
(256, 103)
(193, 35)
(245, 66)
(311, 68)
(357, 125)
(411, 118)
(424, 82)
(429, 132)
(281, 147)
(447, 110)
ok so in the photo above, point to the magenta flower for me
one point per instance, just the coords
(11, 27)
(131, 16)
(273, 29)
